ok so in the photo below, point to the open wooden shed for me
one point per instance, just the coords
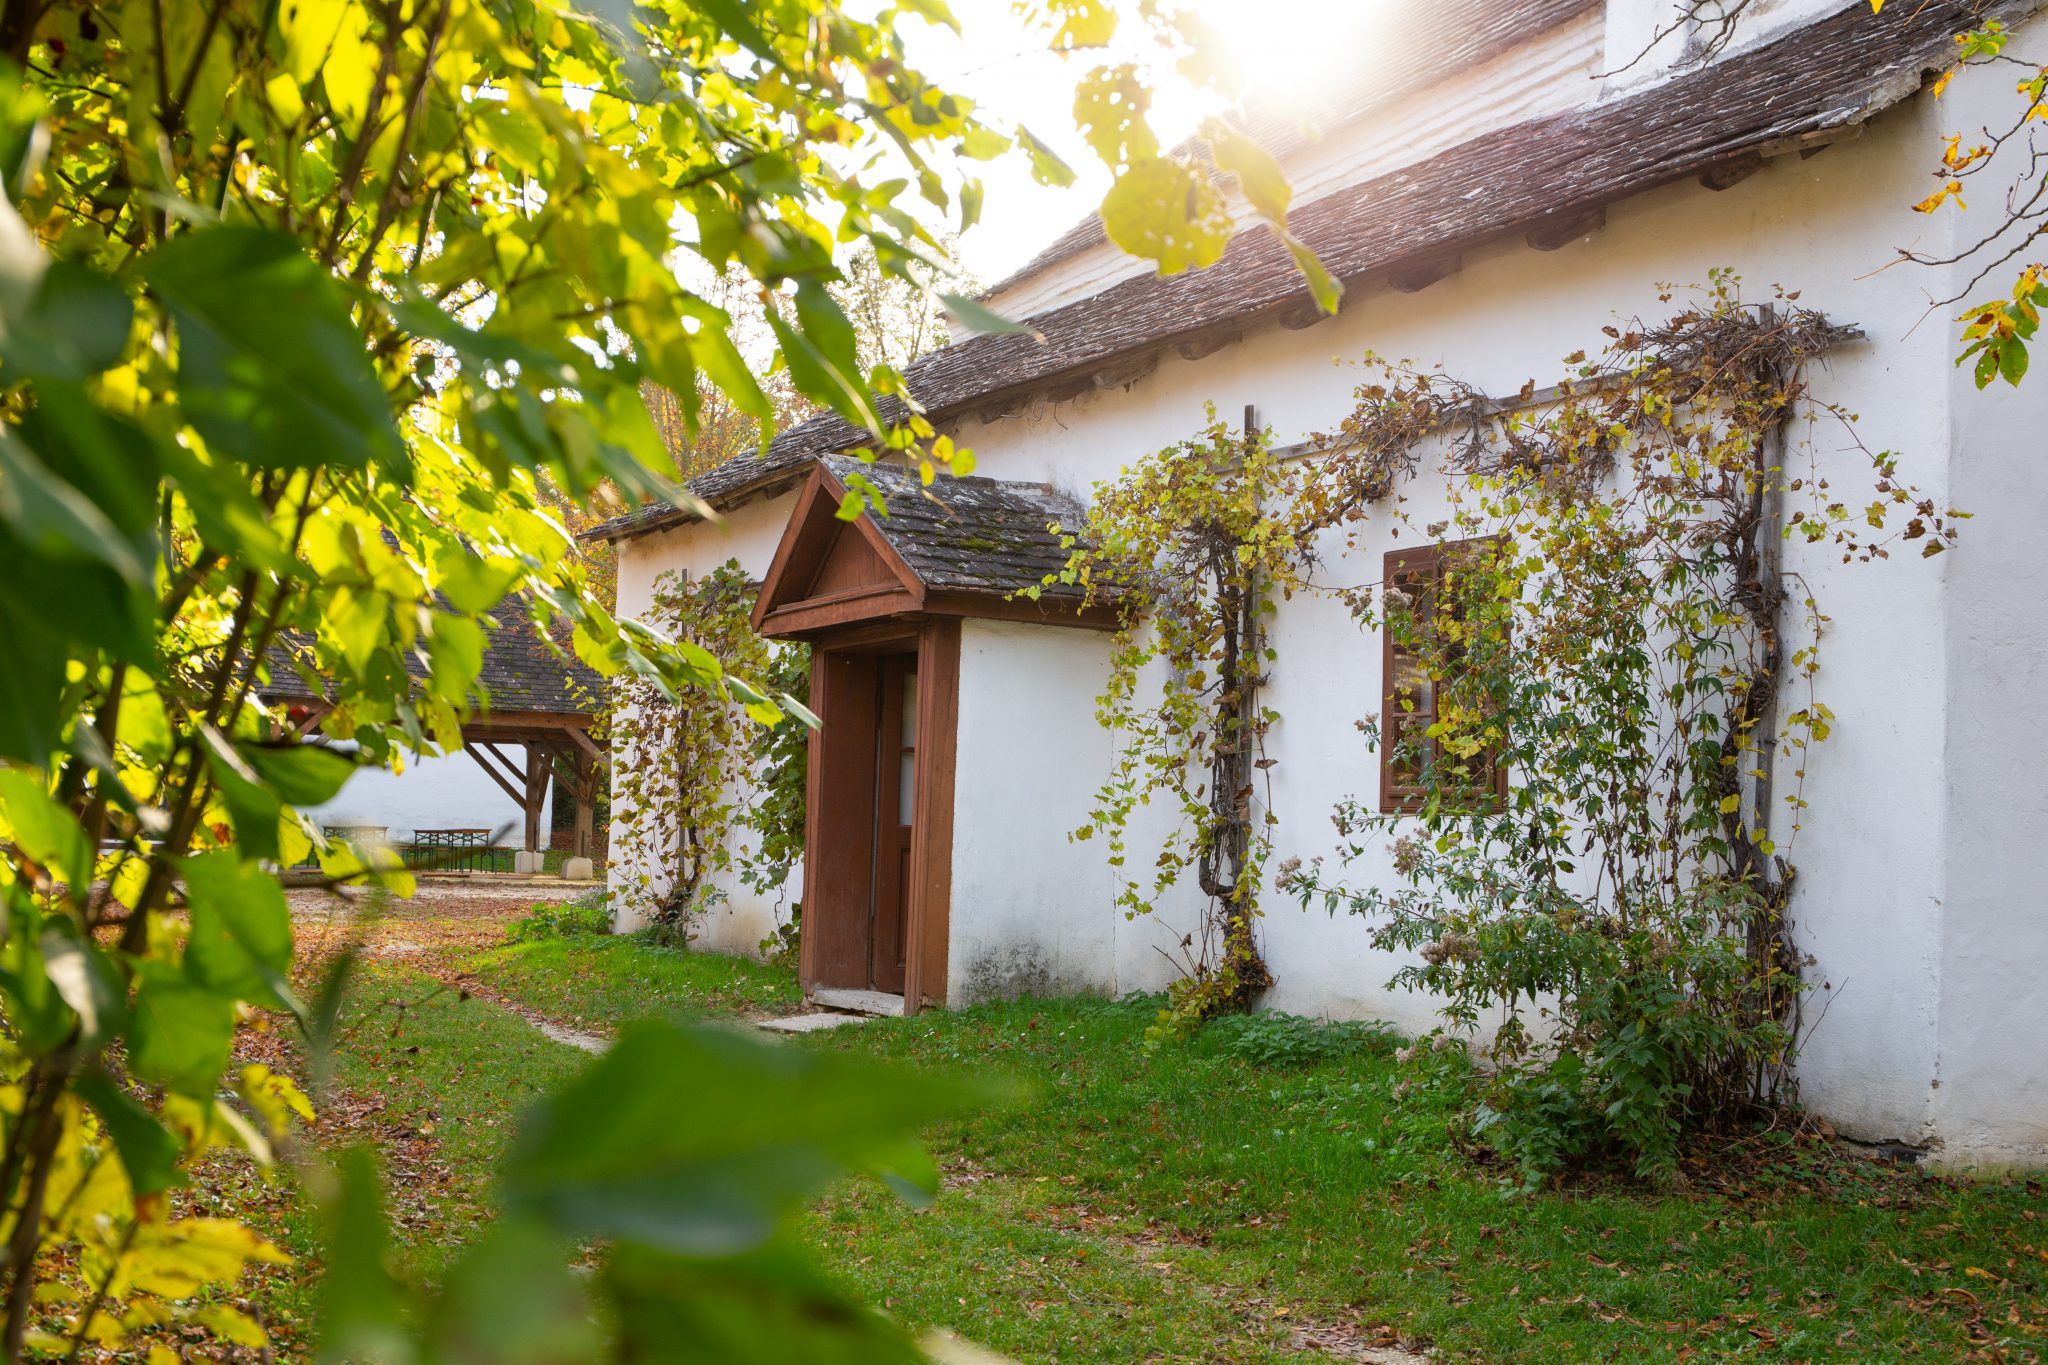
(541, 706)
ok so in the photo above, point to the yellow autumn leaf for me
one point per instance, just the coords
(1952, 190)
(1169, 213)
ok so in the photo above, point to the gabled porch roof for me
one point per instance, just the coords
(962, 547)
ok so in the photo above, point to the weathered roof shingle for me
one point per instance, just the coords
(987, 537)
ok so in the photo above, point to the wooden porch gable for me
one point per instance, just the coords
(965, 547)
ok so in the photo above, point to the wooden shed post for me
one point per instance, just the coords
(586, 800)
(537, 765)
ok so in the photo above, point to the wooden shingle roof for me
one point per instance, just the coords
(985, 537)
(1543, 179)
(1413, 48)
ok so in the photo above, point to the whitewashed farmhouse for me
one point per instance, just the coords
(1492, 195)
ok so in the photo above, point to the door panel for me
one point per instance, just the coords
(839, 882)
(895, 767)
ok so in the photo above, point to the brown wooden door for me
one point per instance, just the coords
(895, 799)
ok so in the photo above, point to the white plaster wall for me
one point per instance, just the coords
(1990, 1091)
(1030, 908)
(435, 792)
(1991, 1088)
(640, 874)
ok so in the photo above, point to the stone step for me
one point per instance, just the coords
(810, 1023)
(858, 1002)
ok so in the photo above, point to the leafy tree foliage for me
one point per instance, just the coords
(308, 312)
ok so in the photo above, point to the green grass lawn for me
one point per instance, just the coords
(1195, 1204)
(1190, 1204)
(434, 1082)
(602, 981)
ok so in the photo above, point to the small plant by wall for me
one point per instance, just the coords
(777, 802)
(689, 761)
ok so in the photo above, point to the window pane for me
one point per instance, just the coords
(1412, 684)
(1407, 741)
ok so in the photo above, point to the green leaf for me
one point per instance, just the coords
(1258, 175)
(241, 940)
(934, 10)
(2012, 362)
(732, 17)
(622, 1152)
(270, 367)
(181, 1033)
(84, 980)
(458, 657)
(32, 684)
(979, 318)
(818, 376)
(43, 829)
(252, 806)
(300, 774)
(513, 1299)
(1325, 288)
(1046, 166)
(362, 1311)
(149, 1153)
(36, 1014)
(983, 143)
(77, 326)
(1080, 23)
(764, 1308)
(54, 518)
(713, 351)
(1169, 213)
(1110, 105)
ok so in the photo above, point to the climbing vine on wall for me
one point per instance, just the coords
(1615, 625)
(689, 759)
(777, 800)
(1610, 674)
(1197, 544)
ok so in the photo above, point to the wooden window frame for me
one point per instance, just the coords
(1408, 566)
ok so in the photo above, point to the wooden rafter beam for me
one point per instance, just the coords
(587, 745)
(503, 781)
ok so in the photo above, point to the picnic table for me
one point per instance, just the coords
(464, 849)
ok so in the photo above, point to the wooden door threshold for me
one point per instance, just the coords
(857, 1002)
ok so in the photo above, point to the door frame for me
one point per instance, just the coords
(928, 894)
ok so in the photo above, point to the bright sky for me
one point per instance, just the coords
(1283, 47)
